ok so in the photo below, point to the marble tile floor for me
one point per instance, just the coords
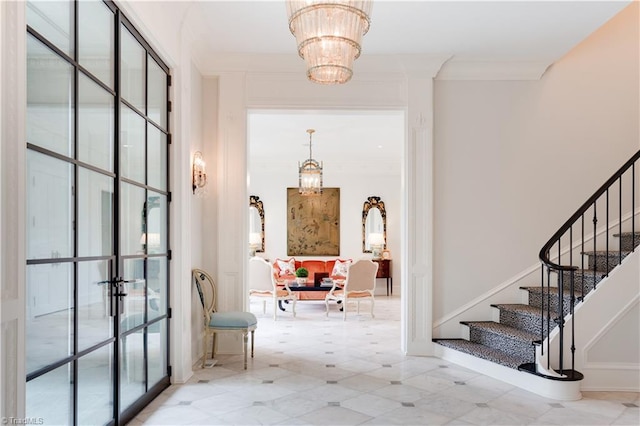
(313, 370)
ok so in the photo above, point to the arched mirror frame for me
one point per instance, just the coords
(373, 203)
(254, 201)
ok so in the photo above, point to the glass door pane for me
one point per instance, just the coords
(54, 21)
(132, 145)
(132, 69)
(95, 124)
(95, 323)
(95, 40)
(95, 390)
(50, 397)
(50, 318)
(49, 99)
(132, 213)
(157, 155)
(157, 93)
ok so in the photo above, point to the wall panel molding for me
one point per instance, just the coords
(12, 215)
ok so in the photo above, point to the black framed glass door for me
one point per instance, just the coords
(97, 215)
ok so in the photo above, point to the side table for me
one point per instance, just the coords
(384, 271)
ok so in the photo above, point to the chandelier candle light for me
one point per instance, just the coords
(329, 34)
(310, 174)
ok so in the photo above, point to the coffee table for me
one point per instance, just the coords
(295, 287)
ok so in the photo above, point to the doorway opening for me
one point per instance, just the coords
(362, 153)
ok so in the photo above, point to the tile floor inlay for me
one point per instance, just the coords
(365, 386)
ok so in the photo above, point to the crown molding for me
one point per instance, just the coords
(428, 65)
(493, 69)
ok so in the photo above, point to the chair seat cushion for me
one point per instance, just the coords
(340, 293)
(279, 293)
(232, 320)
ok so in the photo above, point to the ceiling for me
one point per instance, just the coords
(469, 29)
(515, 30)
(342, 139)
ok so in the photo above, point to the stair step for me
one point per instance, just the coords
(628, 240)
(524, 317)
(602, 260)
(587, 277)
(537, 294)
(502, 337)
(482, 351)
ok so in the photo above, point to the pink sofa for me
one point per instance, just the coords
(284, 270)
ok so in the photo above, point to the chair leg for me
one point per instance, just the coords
(213, 346)
(264, 306)
(252, 342)
(358, 307)
(204, 349)
(294, 307)
(372, 303)
(344, 309)
(275, 309)
(326, 302)
(244, 337)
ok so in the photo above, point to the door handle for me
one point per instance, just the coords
(117, 290)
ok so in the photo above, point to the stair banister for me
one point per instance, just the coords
(567, 272)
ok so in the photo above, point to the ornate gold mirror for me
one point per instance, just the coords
(374, 226)
(256, 224)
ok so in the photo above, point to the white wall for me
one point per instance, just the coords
(271, 186)
(514, 159)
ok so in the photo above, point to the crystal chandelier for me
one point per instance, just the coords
(310, 174)
(329, 34)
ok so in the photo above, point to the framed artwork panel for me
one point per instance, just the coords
(313, 223)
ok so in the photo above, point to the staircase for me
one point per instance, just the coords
(510, 342)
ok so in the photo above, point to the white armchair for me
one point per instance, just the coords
(262, 285)
(359, 285)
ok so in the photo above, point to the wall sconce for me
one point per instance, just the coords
(198, 173)
(376, 241)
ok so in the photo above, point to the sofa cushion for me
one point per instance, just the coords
(285, 267)
(340, 268)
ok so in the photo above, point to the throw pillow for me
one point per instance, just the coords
(287, 267)
(340, 268)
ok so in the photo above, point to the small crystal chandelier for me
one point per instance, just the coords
(329, 34)
(310, 174)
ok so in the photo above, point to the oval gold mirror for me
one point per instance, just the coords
(256, 224)
(374, 226)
